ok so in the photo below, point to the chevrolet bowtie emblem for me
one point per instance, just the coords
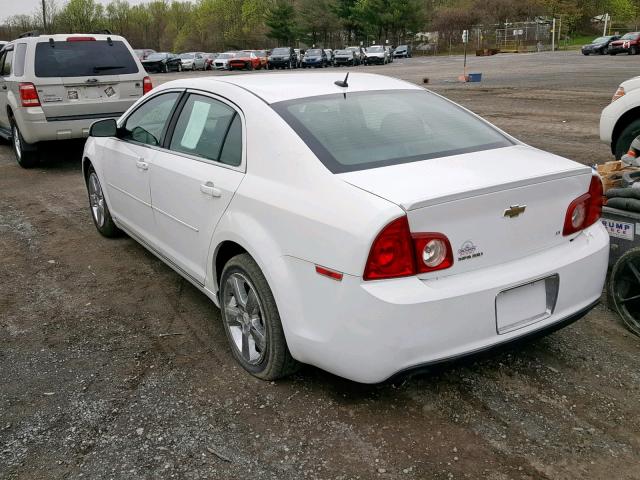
(514, 211)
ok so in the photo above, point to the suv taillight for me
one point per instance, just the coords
(585, 210)
(147, 86)
(29, 95)
(397, 253)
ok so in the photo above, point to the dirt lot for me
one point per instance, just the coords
(90, 387)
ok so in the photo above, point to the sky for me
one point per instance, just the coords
(28, 7)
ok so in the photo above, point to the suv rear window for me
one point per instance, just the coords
(83, 59)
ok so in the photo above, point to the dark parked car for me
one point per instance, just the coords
(345, 57)
(282, 57)
(402, 51)
(315, 57)
(628, 43)
(162, 62)
(600, 46)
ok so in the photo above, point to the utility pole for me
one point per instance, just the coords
(606, 20)
(44, 15)
(553, 36)
(465, 40)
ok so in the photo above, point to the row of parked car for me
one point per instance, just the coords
(282, 57)
(628, 43)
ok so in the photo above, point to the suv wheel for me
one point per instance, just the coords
(626, 137)
(251, 320)
(26, 154)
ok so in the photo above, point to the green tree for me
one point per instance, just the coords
(281, 22)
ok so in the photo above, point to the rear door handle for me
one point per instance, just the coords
(208, 189)
(142, 165)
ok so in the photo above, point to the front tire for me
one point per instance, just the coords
(99, 209)
(252, 322)
(627, 136)
(26, 154)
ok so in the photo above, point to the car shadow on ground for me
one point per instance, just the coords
(62, 155)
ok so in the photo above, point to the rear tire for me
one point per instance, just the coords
(26, 154)
(624, 284)
(627, 136)
(252, 322)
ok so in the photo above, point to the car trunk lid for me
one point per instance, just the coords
(494, 206)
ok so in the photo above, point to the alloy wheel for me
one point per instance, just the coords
(245, 318)
(96, 199)
(16, 142)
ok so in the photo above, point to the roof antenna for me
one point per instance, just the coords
(342, 83)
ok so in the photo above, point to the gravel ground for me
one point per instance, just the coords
(91, 385)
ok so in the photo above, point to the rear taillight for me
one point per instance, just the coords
(81, 39)
(397, 253)
(585, 210)
(433, 252)
(147, 86)
(29, 95)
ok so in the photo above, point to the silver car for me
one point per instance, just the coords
(193, 61)
(222, 61)
(54, 87)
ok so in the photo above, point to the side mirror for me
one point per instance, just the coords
(104, 128)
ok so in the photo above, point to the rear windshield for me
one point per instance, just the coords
(363, 130)
(82, 59)
(630, 36)
(314, 52)
(374, 49)
(280, 51)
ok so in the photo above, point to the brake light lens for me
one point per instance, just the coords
(81, 39)
(397, 253)
(619, 94)
(391, 254)
(585, 210)
(29, 95)
(147, 86)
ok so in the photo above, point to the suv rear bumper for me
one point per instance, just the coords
(35, 127)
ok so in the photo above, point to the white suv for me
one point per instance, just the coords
(620, 121)
(53, 87)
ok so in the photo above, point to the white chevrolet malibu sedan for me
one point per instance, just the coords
(366, 227)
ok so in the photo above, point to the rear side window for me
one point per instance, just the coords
(147, 123)
(204, 127)
(6, 64)
(83, 59)
(18, 62)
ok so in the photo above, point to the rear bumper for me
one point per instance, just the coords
(35, 127)
(370, 331)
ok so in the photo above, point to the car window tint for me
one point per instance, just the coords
(83, 58)
(202, 127)
(19, 58)
(147, 123)
(364, 130)
(6, 65)
(232, 149)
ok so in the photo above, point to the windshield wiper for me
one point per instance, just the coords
(107, 67)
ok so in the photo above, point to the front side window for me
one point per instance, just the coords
(362, 130)
(147, 123)
(203, 128)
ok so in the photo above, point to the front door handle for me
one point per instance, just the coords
(142, 165)
(208, 189)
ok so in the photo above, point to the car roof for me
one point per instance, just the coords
(62, 37)
(274, 87)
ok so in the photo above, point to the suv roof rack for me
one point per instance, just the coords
(32, 33)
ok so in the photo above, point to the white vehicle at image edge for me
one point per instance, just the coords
(620, 120)
(365, 229)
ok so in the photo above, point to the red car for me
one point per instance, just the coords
(629, 43)
(245, 60)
